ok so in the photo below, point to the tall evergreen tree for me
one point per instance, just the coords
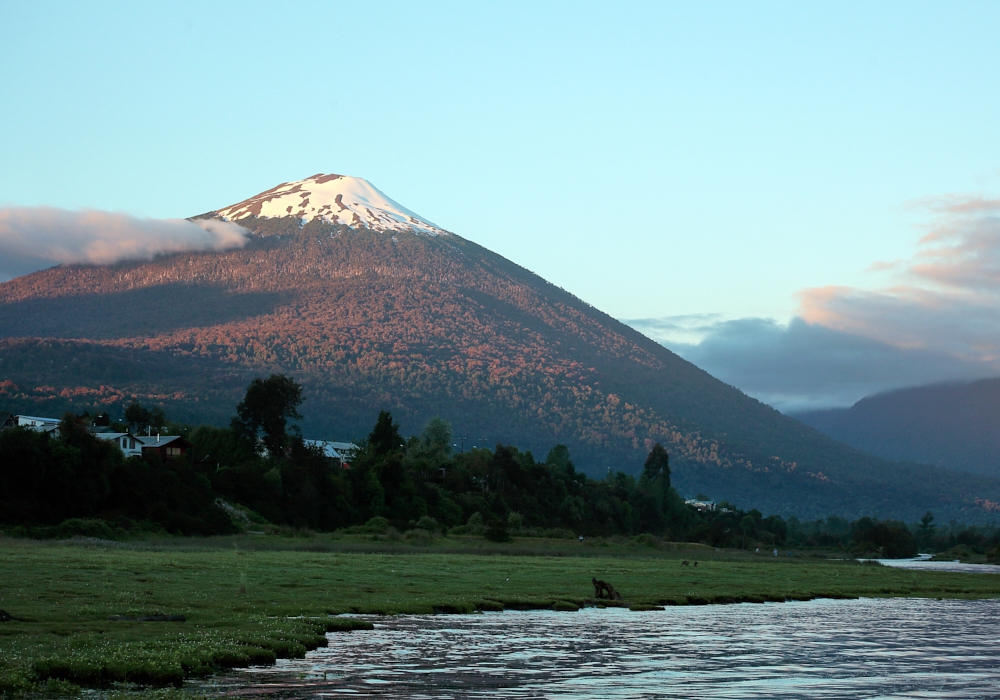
(385, 437)
(657, 465)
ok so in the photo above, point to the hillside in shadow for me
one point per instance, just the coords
(424, 326)
(951, 425)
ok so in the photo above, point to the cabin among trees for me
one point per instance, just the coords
(166, 447)
(343, 452)
(128, 443)
(37, 423)
(56, 472)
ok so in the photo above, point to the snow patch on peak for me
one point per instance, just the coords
(337, 199)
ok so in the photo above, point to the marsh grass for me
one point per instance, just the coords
(251, 600)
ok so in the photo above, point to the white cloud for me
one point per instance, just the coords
(945, 300)
(801, 366)
(938, 321)
(34, 238)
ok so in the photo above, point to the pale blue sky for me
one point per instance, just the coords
(656, 159)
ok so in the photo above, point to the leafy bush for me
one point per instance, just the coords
(496, 531)
(375, 526)
(474, 525)
(427, 523)
(84, 527)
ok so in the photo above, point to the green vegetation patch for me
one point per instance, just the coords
(249, 606)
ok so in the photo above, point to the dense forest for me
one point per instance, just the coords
(258, 472)
(952, 425)
(425, 326)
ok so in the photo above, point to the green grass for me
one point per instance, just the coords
(250, 600)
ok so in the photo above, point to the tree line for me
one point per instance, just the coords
(260, 466)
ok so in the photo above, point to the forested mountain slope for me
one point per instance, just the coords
(951, 425)
(426, 325)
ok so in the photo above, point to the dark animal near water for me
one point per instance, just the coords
(603, 589)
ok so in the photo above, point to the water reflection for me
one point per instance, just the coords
(817, 649)
(923, 563)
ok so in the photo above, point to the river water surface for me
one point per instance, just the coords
(868, 648)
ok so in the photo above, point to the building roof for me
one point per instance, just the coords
(37, 418)
(159, 440)
(336, 450)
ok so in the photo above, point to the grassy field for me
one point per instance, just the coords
(249, 600)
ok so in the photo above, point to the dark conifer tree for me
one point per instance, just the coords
(657, 465)
(385, 437)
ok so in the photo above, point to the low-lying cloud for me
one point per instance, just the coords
(938, 320)
(803, 366)
(35, 238)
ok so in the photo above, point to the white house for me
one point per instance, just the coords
(344, 451)
(700, 505)
(127, 442)
(42, 425)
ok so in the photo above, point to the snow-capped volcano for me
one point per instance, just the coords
(338, 199)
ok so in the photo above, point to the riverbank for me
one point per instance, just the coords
(251, 600)
(866, 648)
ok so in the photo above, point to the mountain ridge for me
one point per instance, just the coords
(952, 425)
(427, 325)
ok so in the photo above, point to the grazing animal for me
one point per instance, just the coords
(684, 563)
(696, 563)
(603, 589)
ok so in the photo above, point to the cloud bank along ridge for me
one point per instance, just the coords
(35, 238)
(938, 320)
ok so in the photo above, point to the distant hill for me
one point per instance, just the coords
(950, 425)
(371, 307)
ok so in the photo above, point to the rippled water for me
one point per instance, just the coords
(923, 563)
(870, 648)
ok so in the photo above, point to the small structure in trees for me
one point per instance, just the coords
(129, 444)
(39, 423)
(167, 447)
(343, 451)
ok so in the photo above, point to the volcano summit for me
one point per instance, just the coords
(334, 199)
(371, 307)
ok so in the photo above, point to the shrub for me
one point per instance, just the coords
(515, 521)
(427, 523)
(84, 527)
(474, 526)
(497, 531)
(375, 526)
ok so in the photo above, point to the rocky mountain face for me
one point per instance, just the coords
(388, 311)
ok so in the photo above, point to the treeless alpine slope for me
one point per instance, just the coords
(371, 307)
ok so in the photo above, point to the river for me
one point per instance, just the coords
(924, 563)
(867, 648)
